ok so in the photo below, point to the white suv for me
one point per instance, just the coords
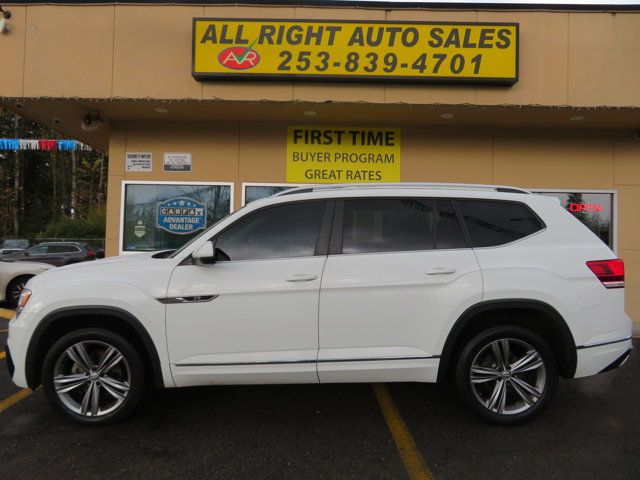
(501, 290)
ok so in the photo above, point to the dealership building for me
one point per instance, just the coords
(205, 106)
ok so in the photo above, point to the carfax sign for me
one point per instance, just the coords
(342, 155)
(181, 215)
(428, 52)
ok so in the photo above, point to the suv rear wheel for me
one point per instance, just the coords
(507, 374)
(93, 376)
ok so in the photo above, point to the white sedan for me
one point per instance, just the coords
(14, 276)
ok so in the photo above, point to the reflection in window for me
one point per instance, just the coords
(256, 192)
(283, 231)
(165, 216)
(388, 225)
(592, 209)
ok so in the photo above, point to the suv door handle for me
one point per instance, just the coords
(440, 271)
(301, 277)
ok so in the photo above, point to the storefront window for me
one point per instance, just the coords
(161, 216)
(256, 192)
(593, 209)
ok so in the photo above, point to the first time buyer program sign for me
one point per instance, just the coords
(416, 52)
(342, 154)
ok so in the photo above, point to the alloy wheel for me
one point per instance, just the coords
(508, 376)
(92, 378)
(17, 290)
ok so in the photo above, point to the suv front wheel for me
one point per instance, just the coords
(93, 376)
(507, 374)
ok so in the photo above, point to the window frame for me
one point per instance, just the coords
(494, 200)
(614, 207)
(123, 191)
(322, 242)
(266, 184)
(337, 229)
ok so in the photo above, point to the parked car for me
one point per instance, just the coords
(14, 276)
(501, 290)
(14, 245)
(54, 253)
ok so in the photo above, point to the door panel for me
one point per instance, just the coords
(260, 328)
(252, 318)
(391, 306)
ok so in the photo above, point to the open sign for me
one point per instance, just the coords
(586, 207)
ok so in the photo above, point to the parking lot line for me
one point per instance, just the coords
(411, 457)
(15, 398)
(6, 313)
(4, 330)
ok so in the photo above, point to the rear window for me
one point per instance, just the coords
(492, 223)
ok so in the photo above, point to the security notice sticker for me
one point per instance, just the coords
(342, 155)
(138, 161)
(433, 52)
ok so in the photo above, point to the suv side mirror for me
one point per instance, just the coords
(205, 254)
(208, 255)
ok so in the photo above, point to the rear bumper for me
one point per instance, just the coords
(621, 360)
(602, 358)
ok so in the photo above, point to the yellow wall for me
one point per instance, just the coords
(526, 158)
(144, 51)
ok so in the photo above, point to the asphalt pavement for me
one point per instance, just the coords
(590, 431)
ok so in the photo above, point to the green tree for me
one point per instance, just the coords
(37, 188)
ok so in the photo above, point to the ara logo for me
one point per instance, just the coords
(239, 58)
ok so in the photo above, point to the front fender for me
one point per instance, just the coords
(143, 313)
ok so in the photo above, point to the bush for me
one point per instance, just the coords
(67, 227)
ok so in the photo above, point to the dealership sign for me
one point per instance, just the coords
(342, 154)
(427, 52)
(181, 216)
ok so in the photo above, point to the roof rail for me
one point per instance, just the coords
(355, 186)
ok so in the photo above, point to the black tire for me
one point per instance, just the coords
(127, 372)
(481, 394)
(14, 288)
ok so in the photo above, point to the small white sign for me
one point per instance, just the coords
(139, 161)
(177, 162)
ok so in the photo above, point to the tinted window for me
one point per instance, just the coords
(277, 232)
(493, 223)
(63, 249)
(448, 229)
(387, 225)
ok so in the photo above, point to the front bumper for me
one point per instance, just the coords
(602, 358)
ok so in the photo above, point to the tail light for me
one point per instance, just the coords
(609, 272)
(91, 253)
